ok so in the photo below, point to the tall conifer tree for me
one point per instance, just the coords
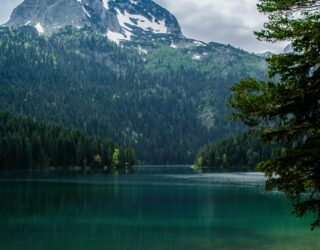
(286, 109)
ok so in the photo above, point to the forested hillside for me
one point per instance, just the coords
(165, 103)
(26, 143)
(239, 152)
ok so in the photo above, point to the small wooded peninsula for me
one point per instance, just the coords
(28, 144)
(241, 152)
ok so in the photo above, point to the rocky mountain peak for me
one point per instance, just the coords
(120, 20)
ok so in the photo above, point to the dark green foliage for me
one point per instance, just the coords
(26, 143)
(241, 152)
(288, 111)
(165, 103)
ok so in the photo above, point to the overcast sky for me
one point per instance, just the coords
(228, 21)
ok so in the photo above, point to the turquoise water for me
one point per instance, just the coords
(169, 209)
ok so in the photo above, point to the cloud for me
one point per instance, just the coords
(6, 9)
(229, 22)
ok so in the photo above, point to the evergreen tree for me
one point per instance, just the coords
(241, 152)
(26, 143)
(116, 158)
(286, 110)
(164, 103)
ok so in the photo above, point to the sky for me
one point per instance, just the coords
(228, 21)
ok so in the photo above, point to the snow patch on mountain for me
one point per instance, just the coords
(196, 57)
(142, 51)
(39, 27)
(288, 49)
(173, 46)
(85, 11)
(106, 4)
(118, 37)
(128, 20)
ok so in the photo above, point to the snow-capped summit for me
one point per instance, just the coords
(119, 20)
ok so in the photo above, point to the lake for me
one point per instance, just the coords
(157, 208)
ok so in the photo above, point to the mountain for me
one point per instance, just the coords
(167, 99)
(119, 20)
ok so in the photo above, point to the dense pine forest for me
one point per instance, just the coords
(26, 143)
(163, 103)
(241, 152)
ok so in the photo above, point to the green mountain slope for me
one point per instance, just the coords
(166, 103)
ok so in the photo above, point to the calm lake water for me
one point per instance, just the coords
(155, 209)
